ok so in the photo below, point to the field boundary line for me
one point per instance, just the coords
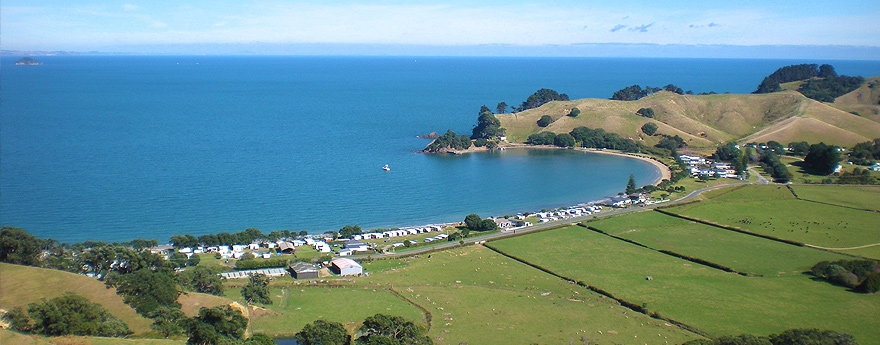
(624, 303)
(828, 203)
(730, 228)
(695, 260)
(429, 318)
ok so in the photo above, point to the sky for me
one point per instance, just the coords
(274, 26)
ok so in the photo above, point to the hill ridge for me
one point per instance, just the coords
(706, 120)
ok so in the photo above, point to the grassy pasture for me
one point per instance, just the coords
(21, 285)
(863, 197)
(772, 210)
(741, 252)
(466, 288)
(294, 307)
(716, 302)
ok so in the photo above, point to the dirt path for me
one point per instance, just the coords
(848, 248)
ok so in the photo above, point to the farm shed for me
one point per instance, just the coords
(346, 267)
(286, 247)
(304, 270)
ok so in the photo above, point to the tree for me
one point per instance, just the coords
(822, 159)
(19, 247)
(545, 121)
(631, 184)
(799, 148)
(649, 128)
(502, 108)
(542, 97)
(543, 138)
(646, 112)
(145, 290)
(350, 230)
(257, 289)
(168, 321)
(202, 279)
(768, 85)
(321, 332)
(75, 315)
(217, 325)
(728, 152)
(473, 221)
(564, 140)
(19, 320)
(811, 337)
(260, 339)
(487, 125)
(574, 112)
(181, 241)
(383, 329)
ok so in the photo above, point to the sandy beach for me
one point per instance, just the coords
(665, 173)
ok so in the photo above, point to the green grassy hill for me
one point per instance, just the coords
(705, 120)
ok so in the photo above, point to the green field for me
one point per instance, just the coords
(863, 197)
(773, 211)
(711, 300)
(741, 252)
(480, 297)
(294, 307)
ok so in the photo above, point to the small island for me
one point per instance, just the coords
(26, 61)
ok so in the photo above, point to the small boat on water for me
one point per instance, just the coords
(386, 168)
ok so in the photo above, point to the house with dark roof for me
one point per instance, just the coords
(303, 270)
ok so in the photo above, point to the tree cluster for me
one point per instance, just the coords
(822, 82)
(449, 141)
(598, 138)
(222, 325)
(798, 148)
(545, 121)
(865, 153)
(822, 159)
(541, 97)
(798, 336)
(649, 128)
(69, 314)
(772, 165)
(646, 112)
(488, 126)
(787, 74)
(860, 275)
(145, 290)
(379, 329)
(636, 92)
(671, 143)
(857, 176)
(574, 112)
(350, 230)
(473, 222)
(257, 289)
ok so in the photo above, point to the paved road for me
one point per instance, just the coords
(761, 179)
(606, 212)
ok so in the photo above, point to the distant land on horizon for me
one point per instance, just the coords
(609, 50)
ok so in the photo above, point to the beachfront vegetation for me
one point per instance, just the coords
(449, 141)
(473, 222)
(487, 126)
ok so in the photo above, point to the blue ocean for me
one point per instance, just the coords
(121, 147)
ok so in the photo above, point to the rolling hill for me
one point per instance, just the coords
(706, 120)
